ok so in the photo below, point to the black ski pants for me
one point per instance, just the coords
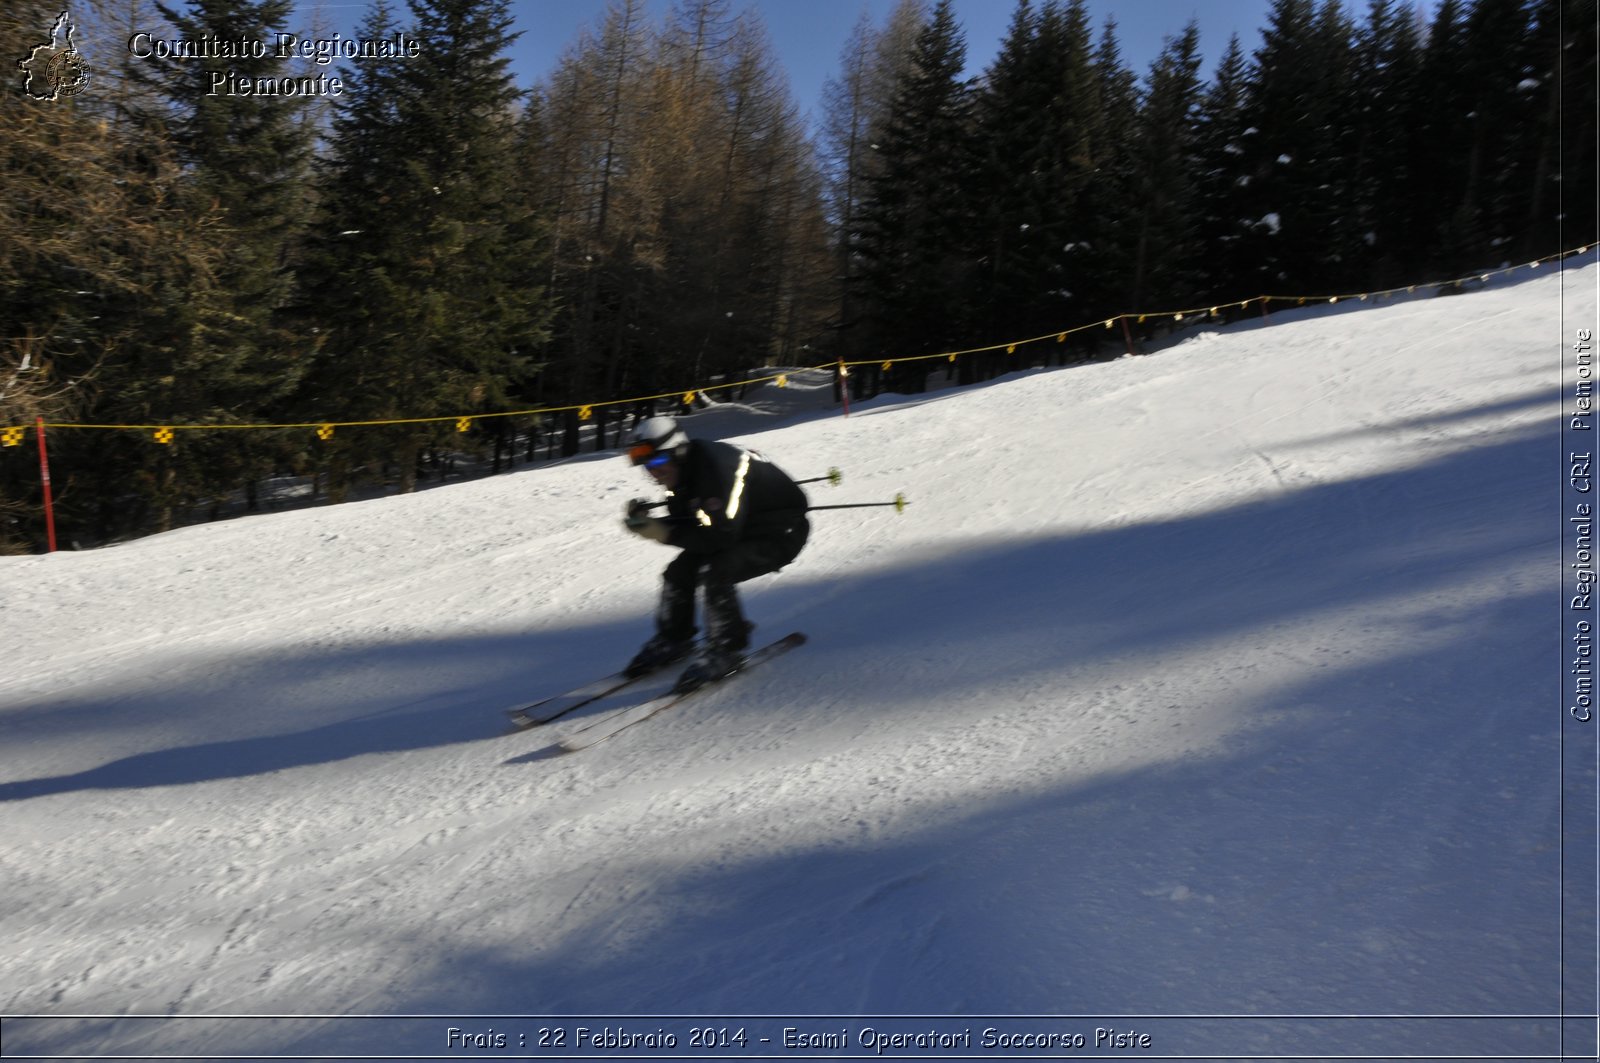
(718, 574)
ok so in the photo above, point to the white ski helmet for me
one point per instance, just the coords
(657, 437)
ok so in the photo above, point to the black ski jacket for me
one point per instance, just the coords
(727, 494)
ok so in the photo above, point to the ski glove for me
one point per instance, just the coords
(649, 527)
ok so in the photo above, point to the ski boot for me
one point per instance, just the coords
(659, 652)
(710, 665)
(717, 659)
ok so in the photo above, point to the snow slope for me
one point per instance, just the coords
(1219, 682)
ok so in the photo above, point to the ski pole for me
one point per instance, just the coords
(833, 477)
(899, 505)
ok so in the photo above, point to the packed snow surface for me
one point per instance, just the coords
(1222, 681)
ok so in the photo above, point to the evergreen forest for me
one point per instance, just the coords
(437, 245)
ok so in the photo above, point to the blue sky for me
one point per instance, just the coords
(808, 35)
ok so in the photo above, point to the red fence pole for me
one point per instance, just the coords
(1127, 335)
(844, 386)
(44, 478)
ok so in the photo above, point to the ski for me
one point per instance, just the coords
(613, 724)
(558, 705)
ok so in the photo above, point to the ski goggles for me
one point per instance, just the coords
(647, 455)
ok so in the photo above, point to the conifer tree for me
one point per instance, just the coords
(1164, 177)
(113, 298)
(600, 205)
(1108, 233)
(1389, 168)
(92, 255)
(773, 186)
(250, 154)
(1011, 139)
(1289, 148)
(843, 144)
(355, 247)
(1443, 108)
(429, 265)
(855, 111)
(1494, 66)
(1560, 150)
(1577, 71)
(473, 274)
(247, 155)
(685, 205)
(1329, 183)
(739, 175)
(913, 247)
(1222, 216)
(1024, 191)
(1070, 190)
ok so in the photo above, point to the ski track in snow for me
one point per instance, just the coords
(1193, 683)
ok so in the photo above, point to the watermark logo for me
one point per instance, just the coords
(55, 68)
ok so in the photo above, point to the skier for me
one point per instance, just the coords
(734, 515)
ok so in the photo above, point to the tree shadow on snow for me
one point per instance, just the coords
(1017, 608)
(1338, 856)
(460, 686)
(1351, 857)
